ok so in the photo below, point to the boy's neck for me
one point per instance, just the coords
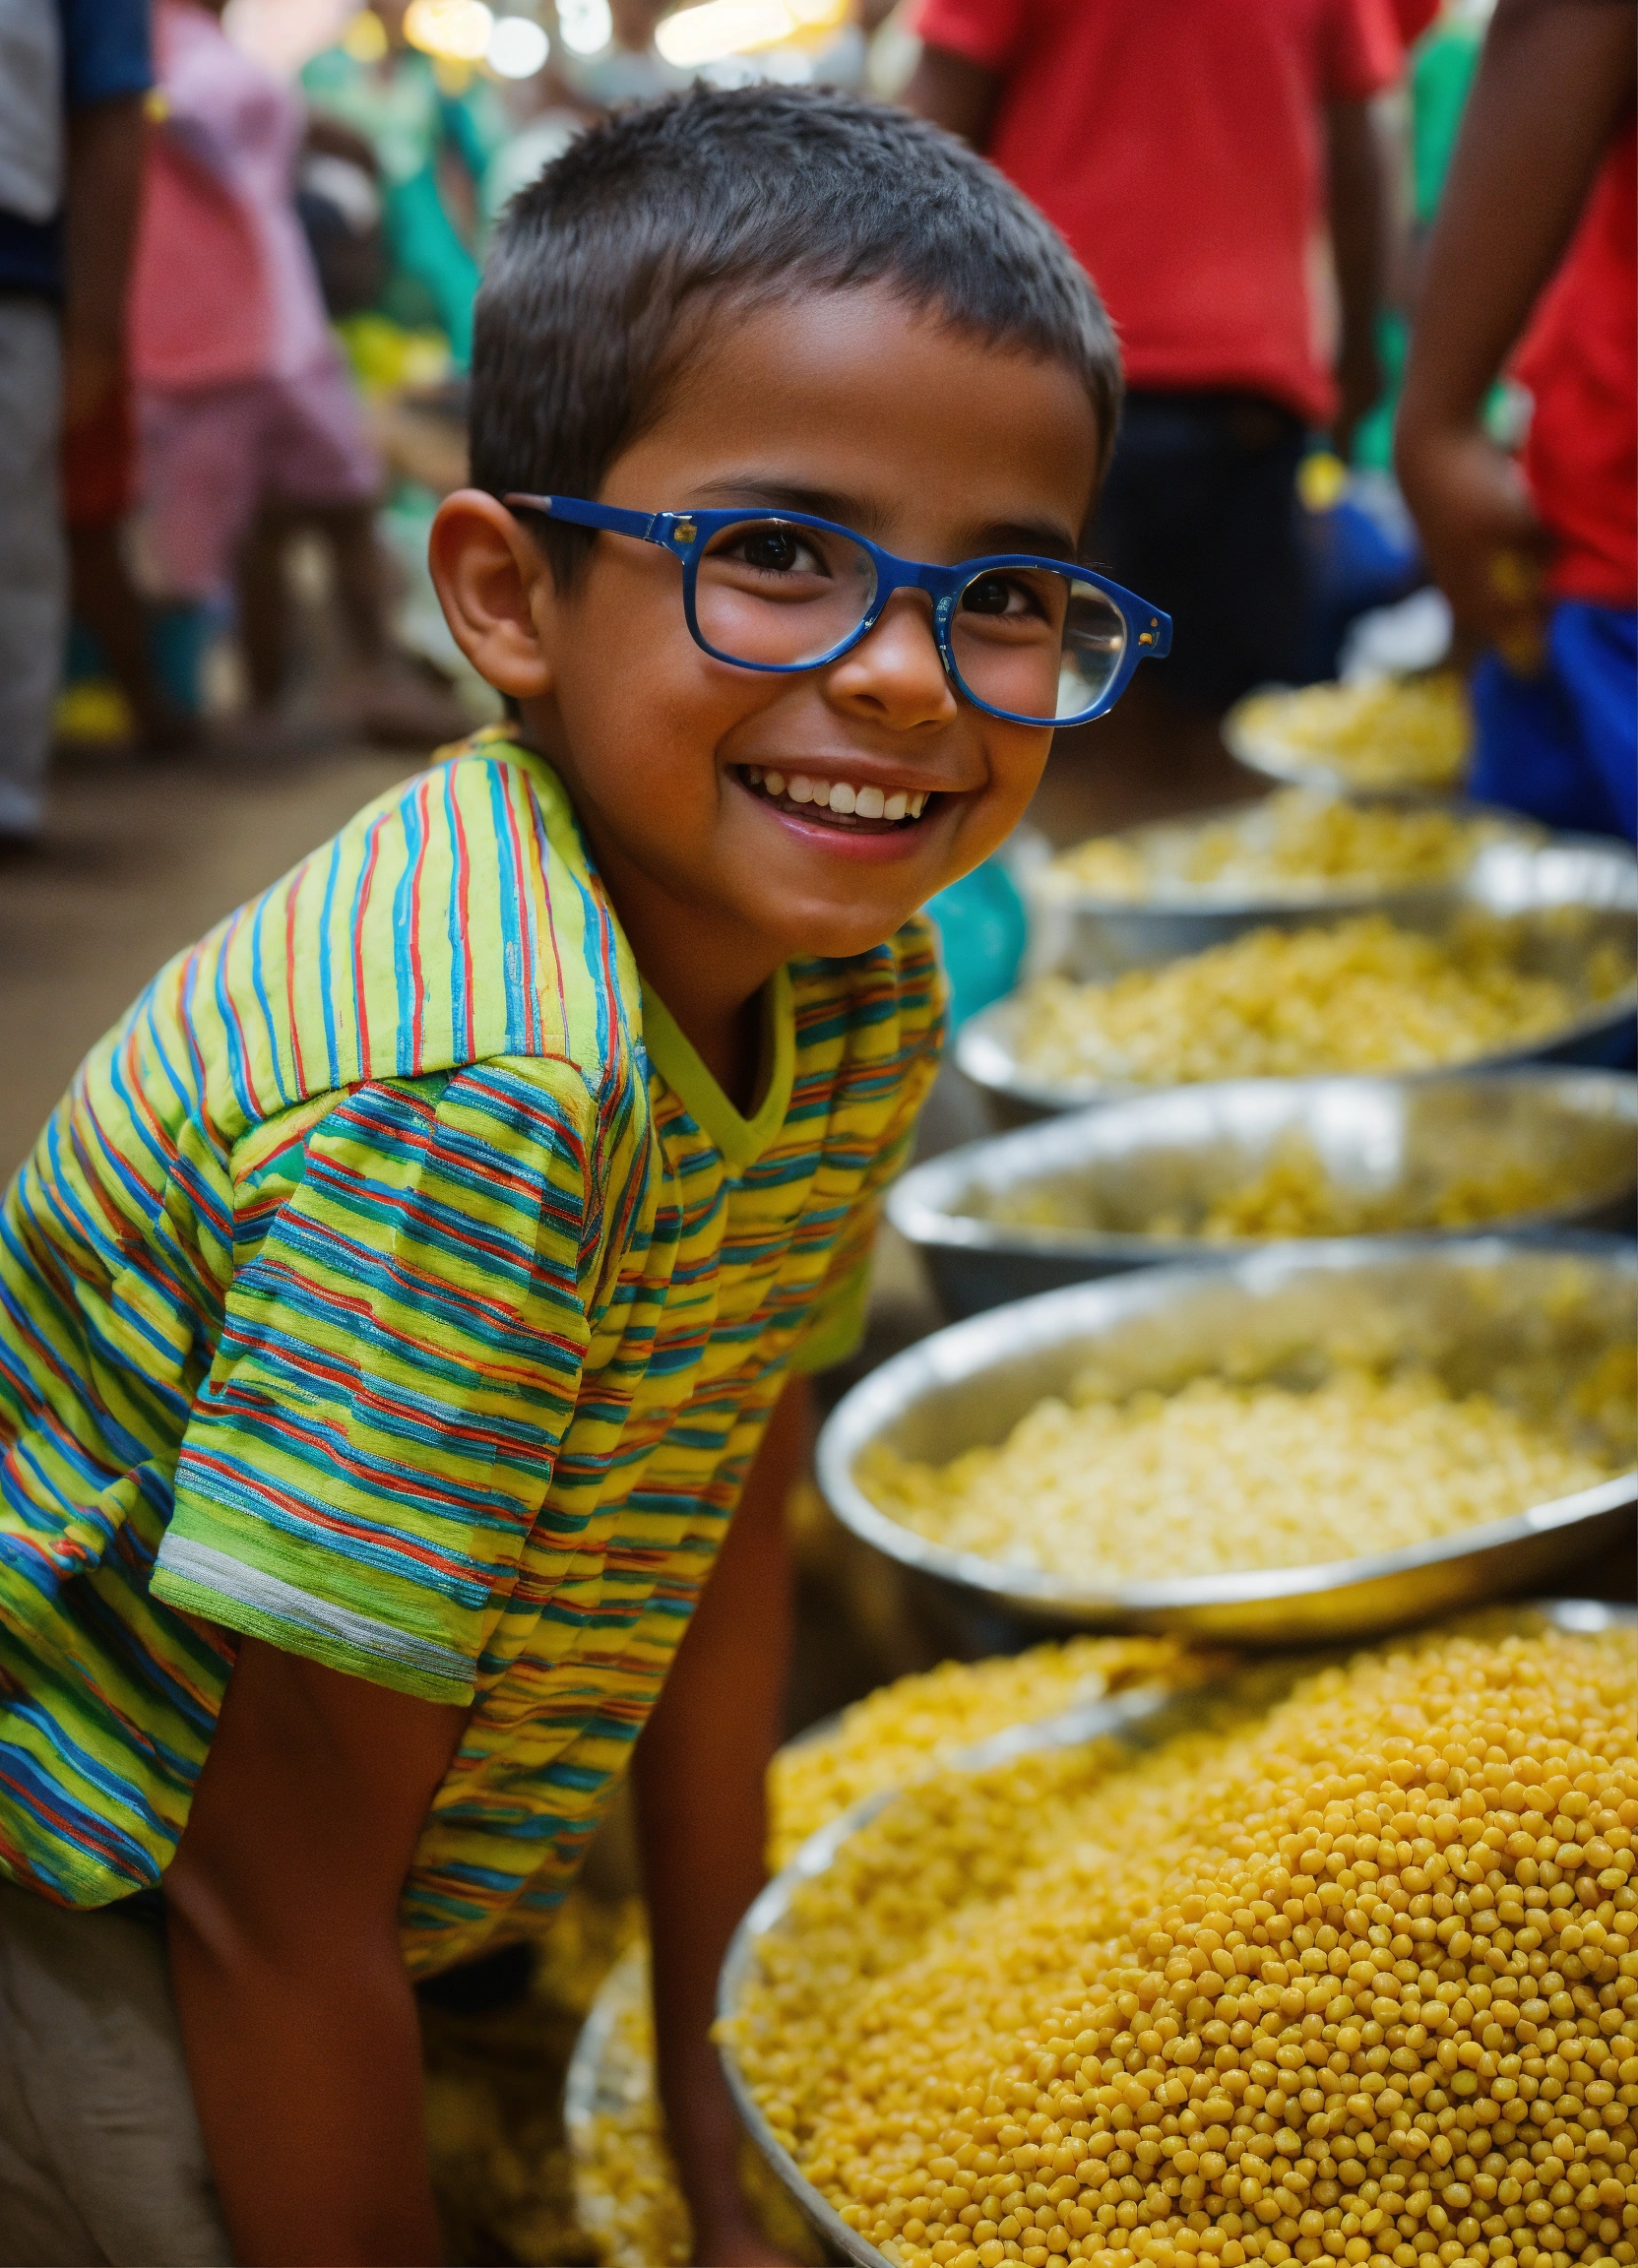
(710, 983)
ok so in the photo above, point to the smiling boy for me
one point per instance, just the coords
(414, 1288)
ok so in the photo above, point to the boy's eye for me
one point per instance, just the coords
(772, 550)
(1003, 594)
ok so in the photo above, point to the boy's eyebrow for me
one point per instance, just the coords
(1052, 539)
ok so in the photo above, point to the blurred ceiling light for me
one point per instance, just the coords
(722, 28)
(586, 26)
(451, 31)
(518, 47)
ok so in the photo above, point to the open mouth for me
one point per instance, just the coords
(837, 802)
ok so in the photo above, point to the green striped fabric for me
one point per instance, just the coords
(396, 1285)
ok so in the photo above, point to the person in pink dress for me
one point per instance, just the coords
(250, 426)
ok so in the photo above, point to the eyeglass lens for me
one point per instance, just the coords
(1026, 639)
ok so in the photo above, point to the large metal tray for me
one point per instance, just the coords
(1565, 900)
(1521, 1320)
(1139, 1719)
(1182, 1148)
(1092, 934)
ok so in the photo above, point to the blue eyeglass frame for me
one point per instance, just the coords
(685, 535)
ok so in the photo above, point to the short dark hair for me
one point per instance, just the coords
(602, 265)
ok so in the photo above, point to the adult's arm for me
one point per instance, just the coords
(103, 197)
(1555, 82)
(299, 2022)
(953, 93)
(1358, 195)
(701, 1775)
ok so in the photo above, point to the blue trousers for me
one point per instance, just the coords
(1563, 748)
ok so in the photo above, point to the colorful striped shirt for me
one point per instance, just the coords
(396, 1285)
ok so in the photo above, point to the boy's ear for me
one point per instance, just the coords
(496, 592)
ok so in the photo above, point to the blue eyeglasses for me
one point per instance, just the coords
(1036, 641)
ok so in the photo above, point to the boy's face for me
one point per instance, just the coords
(935, 445)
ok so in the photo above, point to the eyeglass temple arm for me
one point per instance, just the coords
(651, 527)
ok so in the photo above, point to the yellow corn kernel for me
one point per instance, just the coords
(1326, 1981)
(1220, 1477)
(1293, 841)
(1410, 732)
(1353, 996)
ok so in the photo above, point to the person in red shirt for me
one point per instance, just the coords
(1538, 234)
(1197, 156)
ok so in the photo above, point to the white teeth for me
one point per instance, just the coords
(841, 796)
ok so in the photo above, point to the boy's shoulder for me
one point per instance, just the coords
(454, 920)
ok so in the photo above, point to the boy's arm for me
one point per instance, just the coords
(1357, 197)
(299, 2022)
(1555, 82)
(700, 1775)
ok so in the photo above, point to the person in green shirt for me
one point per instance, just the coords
(392, 98)
(403, 1317)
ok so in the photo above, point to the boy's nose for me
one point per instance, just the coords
(896, 677)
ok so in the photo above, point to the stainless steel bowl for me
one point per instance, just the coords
(1283, 760)
(1090, 934)
(1523, 1320)
(1179, 1150)
(1139, 1720)
(1564, 902)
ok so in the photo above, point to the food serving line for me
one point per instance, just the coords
(1283, 1362)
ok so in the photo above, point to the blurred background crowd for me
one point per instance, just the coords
(239, 246)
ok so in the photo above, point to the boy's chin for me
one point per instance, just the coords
(838, 936)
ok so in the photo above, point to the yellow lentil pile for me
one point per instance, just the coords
(1296, 843)
(626, 2184)
(1222, 1476)
(1410, 732)
(1357, 995)
(902, 1730)
(1352, 1980)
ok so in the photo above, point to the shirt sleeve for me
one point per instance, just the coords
(398, 1363)
(988, 32)
(1364, 54)
(835, 1325)
(105, 50)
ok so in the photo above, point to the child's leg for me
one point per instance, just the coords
(100, 2157)
(263, 609)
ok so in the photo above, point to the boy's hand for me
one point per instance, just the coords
(297, 2018)
(701, 1775)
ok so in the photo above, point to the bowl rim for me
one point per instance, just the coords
(1246, 746)
(926, 1222)
(944, 1358)
(1113, 1717)
(986, 1052)
(1049, 899)
(988, 1058)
